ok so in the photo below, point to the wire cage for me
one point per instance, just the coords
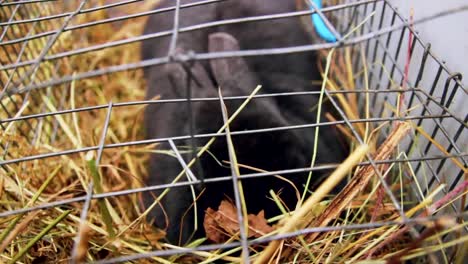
(73, 154)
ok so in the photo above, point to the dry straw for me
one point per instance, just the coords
(116, 226)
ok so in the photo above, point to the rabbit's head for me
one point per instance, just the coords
(283, 148)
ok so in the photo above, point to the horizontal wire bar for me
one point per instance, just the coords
(168, 32)
(204, 99)
(230, 54)
(72, 27)
(209, 135)
(213, 180)
(288, 235)
(443, 107)
(146, 13)
(24, 2)
(32, 20)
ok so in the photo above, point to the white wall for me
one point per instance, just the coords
(449, 42)
(448, 35)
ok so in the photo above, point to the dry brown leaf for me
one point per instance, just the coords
(222, 224)
(211, 226)
(258, 225)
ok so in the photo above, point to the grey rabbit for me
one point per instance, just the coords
(279, 150)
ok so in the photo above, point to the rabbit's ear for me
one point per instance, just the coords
(226, 70)
(199, 78)
(222, 41)
(179, 75)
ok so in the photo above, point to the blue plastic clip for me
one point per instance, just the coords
(320, 27)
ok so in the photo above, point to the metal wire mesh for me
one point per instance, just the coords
(33, 57)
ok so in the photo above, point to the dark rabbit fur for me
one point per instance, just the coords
(236, 76)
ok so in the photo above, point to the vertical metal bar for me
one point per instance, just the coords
(368, 46)
(183, 164)
(89, 193)
(392, 71)
(192, 123)
(442, 129)
(175, 31)
(235, 181)
(431, 92)
(449, 149)
(452, 94)
(83, 216)
(420, 74)
(10, 76)
(387, 44)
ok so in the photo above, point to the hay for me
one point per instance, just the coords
(116, 226)
(67, 176)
